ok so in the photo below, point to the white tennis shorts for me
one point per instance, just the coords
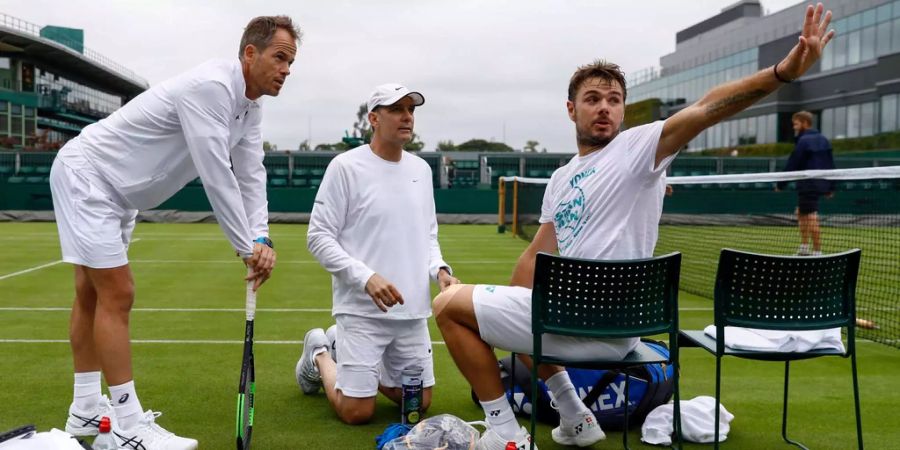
(375, 351)
(503, 314)
(94, 229)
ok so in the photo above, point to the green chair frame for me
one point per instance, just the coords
(794, 293)
(606, 300)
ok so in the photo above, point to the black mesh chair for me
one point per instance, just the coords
(795, 293)
(606, 300)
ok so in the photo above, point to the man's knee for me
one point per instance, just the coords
(356, 411)
(454, 305)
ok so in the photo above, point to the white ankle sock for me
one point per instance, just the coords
(570, 406)
(126, 403)
(87, 390)
(500, 417)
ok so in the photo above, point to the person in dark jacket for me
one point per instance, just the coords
(812, 152)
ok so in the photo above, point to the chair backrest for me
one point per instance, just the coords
(786, 292)
(605, 299)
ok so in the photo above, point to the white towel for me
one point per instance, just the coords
(753, 339)
(697, 422)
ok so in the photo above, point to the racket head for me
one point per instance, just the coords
(246, 393)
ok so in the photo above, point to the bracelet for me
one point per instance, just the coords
(778, 77)
(265, 241)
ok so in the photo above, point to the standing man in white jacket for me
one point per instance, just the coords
(373, 227)
(204, 122)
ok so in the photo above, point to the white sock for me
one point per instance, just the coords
(570, 406)
(126, 403)
(87, 390)
(501, 418)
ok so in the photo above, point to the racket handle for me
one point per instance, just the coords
(251, 298)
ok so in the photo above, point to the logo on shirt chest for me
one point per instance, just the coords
(570, 215)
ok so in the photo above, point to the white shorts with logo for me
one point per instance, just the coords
(503, 314)
(94, 229)
(375, 351)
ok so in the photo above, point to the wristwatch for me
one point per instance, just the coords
(264, 241)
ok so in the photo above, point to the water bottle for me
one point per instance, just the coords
(105, 439)
(411, 404)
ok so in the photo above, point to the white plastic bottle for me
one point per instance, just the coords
(105, 439)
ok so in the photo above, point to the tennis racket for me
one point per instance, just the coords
(247, 386)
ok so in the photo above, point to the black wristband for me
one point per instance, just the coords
(778, 77)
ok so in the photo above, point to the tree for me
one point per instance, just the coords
(415, 144)
(304, 146)
(531, 146)
(446, 146)
(268, 147)
(481, 145)
(336, 147)
(362, 128)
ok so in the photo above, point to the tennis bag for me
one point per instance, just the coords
(603, 391)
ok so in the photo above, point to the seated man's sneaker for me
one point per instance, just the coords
(584, 432)
(87, 423)
(147, 435)
(308, 376)
(490, 440)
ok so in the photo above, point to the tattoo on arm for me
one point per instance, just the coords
(735, 102)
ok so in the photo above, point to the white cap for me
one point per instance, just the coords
(388, 94)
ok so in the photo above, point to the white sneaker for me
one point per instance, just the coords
(490, 440)
(87, 423)
(582, 433)
(331, 334)
(308, 376)
(147, 435)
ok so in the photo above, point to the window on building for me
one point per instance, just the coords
(883, 39)
(16, 110)
(853, 121)
(4, 106)
(867, 119)
(889, 113)
(15, 126)
(840, 122)
(29, 111)
(4, 124)
(29, 127)
(771, 128)
(827, 61)
(867, 39)
(751, 130)
(827, 125)
(840, 51)
(853, 50)
(895, 33)
(5, 63)
(760, 129)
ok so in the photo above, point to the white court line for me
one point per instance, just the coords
(169, 341)
(240, 342)
(42, 266)
(232, 261)
(22, 272)
(316, 310)
(67, 308)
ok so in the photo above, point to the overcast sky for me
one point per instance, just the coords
(489, 69)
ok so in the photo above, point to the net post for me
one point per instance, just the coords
(515, 208)
(501, 206)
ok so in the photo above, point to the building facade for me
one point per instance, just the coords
(51, 86)
(853, 89)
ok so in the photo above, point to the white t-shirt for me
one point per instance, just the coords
(377, 216)
(607, 205)
(199, 123)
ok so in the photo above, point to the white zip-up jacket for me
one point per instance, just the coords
(199, 123)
